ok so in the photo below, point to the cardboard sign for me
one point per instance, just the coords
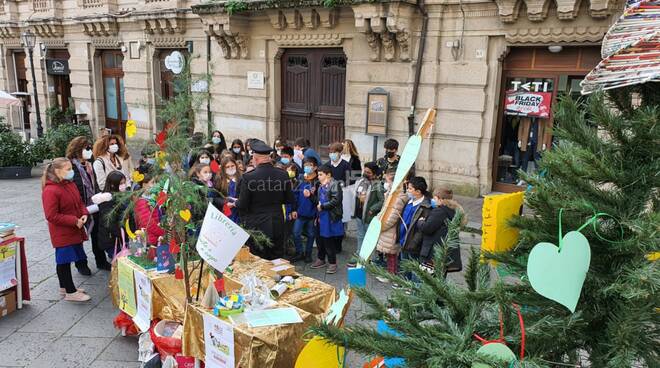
(220, 239)
(218, 342)
(531, 104)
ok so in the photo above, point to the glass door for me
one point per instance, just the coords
(116, 111)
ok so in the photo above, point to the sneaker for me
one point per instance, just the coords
(308, 258)
(77, 297)
(351, 264)
(382, 279)
(85, 271)
(332, 268)
(63, 291)
(318, 264)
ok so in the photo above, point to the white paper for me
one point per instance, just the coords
(143, 291)
(218, 342)
(272, 317)
(220, 239)
(8, 266)
(348, 203)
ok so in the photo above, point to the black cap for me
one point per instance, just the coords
(260, 147)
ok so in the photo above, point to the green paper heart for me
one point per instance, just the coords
(495, 350)
(370, 239)
(408, 158)
(559, 275)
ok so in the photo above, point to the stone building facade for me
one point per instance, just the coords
(298, 68)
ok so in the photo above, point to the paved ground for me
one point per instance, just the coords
(49, 332)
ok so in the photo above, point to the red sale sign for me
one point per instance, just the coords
(531, 104)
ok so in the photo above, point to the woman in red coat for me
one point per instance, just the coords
(66, 215)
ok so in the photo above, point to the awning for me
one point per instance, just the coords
(8, 100)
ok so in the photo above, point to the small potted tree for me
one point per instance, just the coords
(16, 158)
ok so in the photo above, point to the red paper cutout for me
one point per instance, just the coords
(178, 274)
(162, 198)
(174, 247)
(219, 285)
(160, 139)
(214, 166)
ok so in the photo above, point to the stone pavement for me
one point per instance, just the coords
(49, 332)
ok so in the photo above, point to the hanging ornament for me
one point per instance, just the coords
(185, 215)
(160, 138)
(131, 128)
(136, 176)
(178, 274)
(214, 166)
(497, 349)
(174, 247)
(127, 227)
(162, 198)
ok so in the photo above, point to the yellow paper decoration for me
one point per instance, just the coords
(185, 215)
(130, 233)
(131, 128)
(653, 256)
(320, 353)
(136, 176)
(498, 209)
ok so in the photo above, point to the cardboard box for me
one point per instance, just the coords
(7, 302)
(282, 270)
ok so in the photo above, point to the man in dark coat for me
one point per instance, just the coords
(261, 196)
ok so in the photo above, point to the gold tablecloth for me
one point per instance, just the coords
(168, 298)
(262, 347)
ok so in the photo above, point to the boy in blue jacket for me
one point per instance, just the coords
(306, 193)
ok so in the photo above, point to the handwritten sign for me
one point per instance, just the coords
(220, 239)
(126, 288)
(218, 342)
(143, 285)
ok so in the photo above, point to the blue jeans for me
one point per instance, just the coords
(361, 231)
(304, 225)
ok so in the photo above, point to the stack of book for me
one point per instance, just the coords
(7, 230)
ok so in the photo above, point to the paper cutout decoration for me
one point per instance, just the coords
(131, 128)
(160, 139)
(559, 274)
(653, 256)
(495, 350)
(370, 238)
(162, 198)
(136, 176)
(357, 277)
(178, 273)
(214, 166)
(185, 215)
(496, 234)
(407, 160)
(126, 286)
(336, 313)
(383, 329)
(164, 260)
(174, 247)
(320, 353)
(129, 232)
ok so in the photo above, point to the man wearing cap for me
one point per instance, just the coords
(262, 193)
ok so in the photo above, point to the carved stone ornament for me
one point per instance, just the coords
(164, 25)
(307, 18)
(230, 32)
(104, 27)
(106, 42)
(537, 10)
(9, 30)
(308, 39)
(387, 27)
(47, 29)
(166, 41)
(556, 35)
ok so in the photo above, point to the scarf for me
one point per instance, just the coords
(89, 188)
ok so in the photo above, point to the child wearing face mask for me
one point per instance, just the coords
(66, 215)
(227, 184)
(306, 212)
(147, 214)
(204, 158)
(340, 168)
(110, 228)
(111, 155)
(286, 158)
(330, 226)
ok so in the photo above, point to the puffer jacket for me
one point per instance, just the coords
(435, 229)
(62, 208)
(387, 243)
(413, 241)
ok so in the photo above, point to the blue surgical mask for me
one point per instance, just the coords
(151, 161)
(69, 175)
(308, 170)
(334, 156)
(236, 150)
(216, 140)
(434, 204)
(285, 161)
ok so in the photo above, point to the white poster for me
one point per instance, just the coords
(8, 266)
(143, 291)
(220, 239)
(218, 342)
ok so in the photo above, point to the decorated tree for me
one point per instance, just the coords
(597, 192)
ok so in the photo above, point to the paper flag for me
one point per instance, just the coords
(320, 353)
(336, 312)
(357, 277)
(408, 158)
(185, 215)
(495, 350)
(559, 275)
(131, 128)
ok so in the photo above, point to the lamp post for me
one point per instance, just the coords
(29, 39)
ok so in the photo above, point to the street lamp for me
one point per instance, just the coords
(29, 39)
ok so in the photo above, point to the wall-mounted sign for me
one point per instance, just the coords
(255, 80)
(200, 86)
(175, 62)
(529, 86)
(377, 109)
(57, 66)
(531, 104)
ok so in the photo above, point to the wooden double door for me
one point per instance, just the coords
(313, 96)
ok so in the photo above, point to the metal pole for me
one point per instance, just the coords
(40, 129)
(375, 152)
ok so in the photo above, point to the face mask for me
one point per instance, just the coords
(411, 197)
(389, 154)
(122, 187)
(114, 148)
(87, 154)
(216, 140)
(231, 172)
(434, 203)
(308, 170)
(292, 174)
(207, 176)
(285, 161)
(334, 156)
(297, 152)
(205, 161)
(236, 150)
(387, 186)
(69, 175)
(151, 161)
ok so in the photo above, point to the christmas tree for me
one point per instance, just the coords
(605, 161)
